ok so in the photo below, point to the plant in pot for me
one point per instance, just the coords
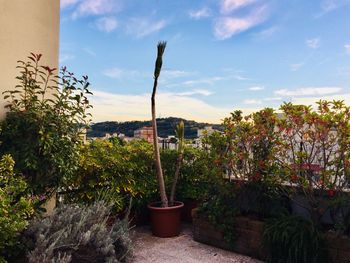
(166, 214)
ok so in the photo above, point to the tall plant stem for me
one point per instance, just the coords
(158, 66)
(176, 177)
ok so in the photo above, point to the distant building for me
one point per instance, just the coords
(145, 133)
(208, 130)
(108, 135)
(168, 143)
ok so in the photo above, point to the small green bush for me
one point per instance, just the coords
(293, 239)
(43, 126)
(76, 233)
(122, 170)
(15, 208)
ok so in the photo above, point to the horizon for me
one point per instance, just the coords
(221, 55)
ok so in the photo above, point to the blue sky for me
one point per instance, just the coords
(221, 54)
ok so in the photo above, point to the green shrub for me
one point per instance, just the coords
(43, 127)
(123, 170)
(293, 239)
(15, 208)
(196, 176)
(76, 233)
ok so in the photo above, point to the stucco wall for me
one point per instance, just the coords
(26, 26)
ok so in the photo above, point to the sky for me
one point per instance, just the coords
(221, 55)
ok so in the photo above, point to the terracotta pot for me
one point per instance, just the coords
(165, 221)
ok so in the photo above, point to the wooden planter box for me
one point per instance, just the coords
(249, 238)
(249, 241)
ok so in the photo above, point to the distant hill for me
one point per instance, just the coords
(166, 126)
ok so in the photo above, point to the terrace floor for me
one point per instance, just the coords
(181, 249)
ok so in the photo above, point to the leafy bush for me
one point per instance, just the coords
(15, 208)
(43, 127)
(103, 165)
(197, 175)
(123, 170)
(292, 239)
(76, 233)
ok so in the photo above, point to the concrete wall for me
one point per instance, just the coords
(26, 26)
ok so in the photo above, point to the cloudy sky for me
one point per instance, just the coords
(221, 54)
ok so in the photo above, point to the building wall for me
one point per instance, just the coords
(26, 26)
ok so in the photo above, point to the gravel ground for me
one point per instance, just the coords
(181, 249)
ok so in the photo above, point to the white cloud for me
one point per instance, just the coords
(266, 33)
(252, 101)
(257, 88)
(227, 6)
(347, 48)
(328, 6)
(123, 107)
(209, 81)
(95, 7)
(65, 57)
(202, 92)
(308, 91)
(141, 27)
(172, 74)
(296, 66)
(273, 99)
(107, 24)
(90, 52)
(226, 27)
(118, 73)
(313, 43)
(312, 100)
(201, 13)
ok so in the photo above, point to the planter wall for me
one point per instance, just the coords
(249, 238)
(249, 241)
(338, 248)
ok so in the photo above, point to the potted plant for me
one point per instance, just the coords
(165, 215)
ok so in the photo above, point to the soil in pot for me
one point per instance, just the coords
(165, 221)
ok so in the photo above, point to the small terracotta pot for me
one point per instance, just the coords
(165, 221)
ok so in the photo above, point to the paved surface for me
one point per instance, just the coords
(181, 249)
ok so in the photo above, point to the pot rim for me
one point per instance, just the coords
(177, 205)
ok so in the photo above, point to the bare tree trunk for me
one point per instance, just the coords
(160, 177)
(176, 177)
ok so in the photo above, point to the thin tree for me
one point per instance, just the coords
(158, 66)
(180, 134)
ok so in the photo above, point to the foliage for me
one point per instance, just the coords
(122, 169)
(299, 151)
(43, 128)
(197, 175)
(315, 154)
(180, 135)
(250, 145)
(76, 233)
(292, 239)
(15, 208)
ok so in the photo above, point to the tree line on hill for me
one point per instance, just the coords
(166, 127)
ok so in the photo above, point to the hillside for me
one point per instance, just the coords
(166, 126)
